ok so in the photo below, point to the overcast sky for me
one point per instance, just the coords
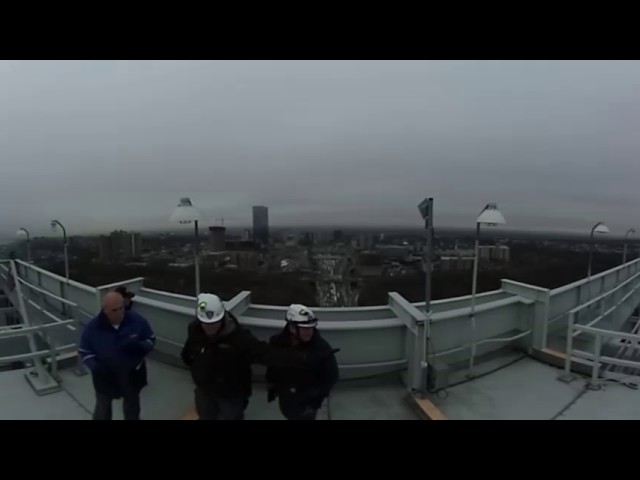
(102, 145)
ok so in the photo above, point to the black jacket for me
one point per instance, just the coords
(311, 384)
(221, 364)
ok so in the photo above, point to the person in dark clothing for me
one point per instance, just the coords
(113, 345)
(220, 352)
(302, 391)
(128, 297)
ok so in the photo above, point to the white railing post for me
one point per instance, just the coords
(567, 375)
(41, 382)
(80, 369)
(595, 369)
(53, 352)
(473, 345)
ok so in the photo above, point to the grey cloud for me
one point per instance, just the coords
(102, 145)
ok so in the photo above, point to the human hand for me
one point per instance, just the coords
(131, 344)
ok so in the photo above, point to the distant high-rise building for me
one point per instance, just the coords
(337, 235)
(136, 244)
(503, 253)
(119, 245)
(485, 252)
(499, 253)
(261, 225)
(246, 236)
(217, 238)
(104, 248)
(127, 244)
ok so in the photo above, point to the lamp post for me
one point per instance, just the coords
(624, 249)
(489, 216)
(426, 210)
(54, 225)
(186, 213)
(597, 228)
(24, 233)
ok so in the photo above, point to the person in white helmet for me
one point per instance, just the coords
(220, 352)
(302, 391)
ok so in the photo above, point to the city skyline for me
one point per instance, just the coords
(102, 145)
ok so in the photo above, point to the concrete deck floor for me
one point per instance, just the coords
(19, 402)
(613, 402)
(76, 400)
(169, 396)
(530, 390)
(526, 389)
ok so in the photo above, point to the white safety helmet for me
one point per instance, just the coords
(301, 316)
(210, 308)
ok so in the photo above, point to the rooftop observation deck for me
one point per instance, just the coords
(529, 353)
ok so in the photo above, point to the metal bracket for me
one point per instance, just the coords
(567, 378)
(42, 384)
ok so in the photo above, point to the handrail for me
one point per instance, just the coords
(328, 325)
(443, 301)
(486, 340)
(465, 311)
(610, 310)
(49, 314)
(16, 332)
(594, 300)
(73, 283)
(390, 363)
(166, 306)
(573, 330)
(281, 308)
(37, 354)
(39, 370)
(119, 284)
(584, 281)
(608, 333)
(46, 292)
(167, 294)
(608, 360)
(605, 294)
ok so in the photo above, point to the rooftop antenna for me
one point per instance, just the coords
(221, 221)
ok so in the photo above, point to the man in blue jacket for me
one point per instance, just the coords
(114, 345)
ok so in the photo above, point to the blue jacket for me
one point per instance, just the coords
(116, 356)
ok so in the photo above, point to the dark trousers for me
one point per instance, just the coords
(293, 409)
(130, 407)
(211, 406)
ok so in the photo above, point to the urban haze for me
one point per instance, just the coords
(102, 145)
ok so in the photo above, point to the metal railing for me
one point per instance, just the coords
(509, 316)
(51, 353)
(626, 350)
(583, 287)
(43, 382)
(474, 341)
(596, 359)
(575, 329)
